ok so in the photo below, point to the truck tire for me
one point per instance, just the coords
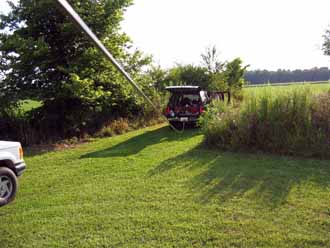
(8, 186)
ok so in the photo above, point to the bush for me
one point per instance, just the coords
(291, 123)
(119, 126)
(53, 123)
(123, 125)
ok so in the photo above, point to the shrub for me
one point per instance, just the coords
(292, 123)
(119, 126)
(105, 132)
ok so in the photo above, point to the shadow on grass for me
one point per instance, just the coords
(226, 176)
(138, 143)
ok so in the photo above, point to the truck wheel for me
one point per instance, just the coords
(8, 186)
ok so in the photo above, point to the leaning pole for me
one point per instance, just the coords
(87, 31)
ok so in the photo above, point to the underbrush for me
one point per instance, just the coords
(43, 127)
(295, 122)
(123, 125)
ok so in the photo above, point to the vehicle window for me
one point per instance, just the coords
(184, 99)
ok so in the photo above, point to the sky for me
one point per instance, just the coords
(266, 34)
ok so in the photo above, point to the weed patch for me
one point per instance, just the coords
(295, 122)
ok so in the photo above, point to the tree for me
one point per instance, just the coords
(157, 77)
(214, 68)
(326, 44)
(210, 60)
(45, 57)
(218, 82)
(188, 75)
(234, 74)
(230, 79)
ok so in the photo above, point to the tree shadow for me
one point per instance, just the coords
(138, 143)
(225, 176)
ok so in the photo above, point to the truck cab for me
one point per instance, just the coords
(12, 166)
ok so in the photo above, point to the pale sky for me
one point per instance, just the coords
(267, 34)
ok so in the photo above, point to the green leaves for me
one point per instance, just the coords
(46, 57)
(326, 44)
(230, 77)
(234, 74)
(188, 75)
(84, 89)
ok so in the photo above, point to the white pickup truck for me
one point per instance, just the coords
(12, 166)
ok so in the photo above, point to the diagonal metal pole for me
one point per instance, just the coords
(83, 26)
(76, 18)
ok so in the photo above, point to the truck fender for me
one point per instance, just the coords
(7, 160)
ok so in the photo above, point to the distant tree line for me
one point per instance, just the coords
(284, 76)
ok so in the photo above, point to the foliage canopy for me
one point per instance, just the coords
(45, 57)
(326, 43)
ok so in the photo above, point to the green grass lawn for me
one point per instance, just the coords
(29, 105)
(155, 188)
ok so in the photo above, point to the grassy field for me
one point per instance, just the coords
(155, 188)
(282, 120)
(314, 88)
(29, 105)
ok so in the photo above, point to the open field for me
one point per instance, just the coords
(155, 188)
(285, 120)
(315, 88)
(287, 84)
(29, 105)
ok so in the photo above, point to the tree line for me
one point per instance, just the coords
(284, 76)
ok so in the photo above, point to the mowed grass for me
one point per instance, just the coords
(29, 105)
(156, 188)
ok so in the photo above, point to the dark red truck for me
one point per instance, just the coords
(187, 103)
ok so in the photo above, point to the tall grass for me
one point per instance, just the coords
(291, 122)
